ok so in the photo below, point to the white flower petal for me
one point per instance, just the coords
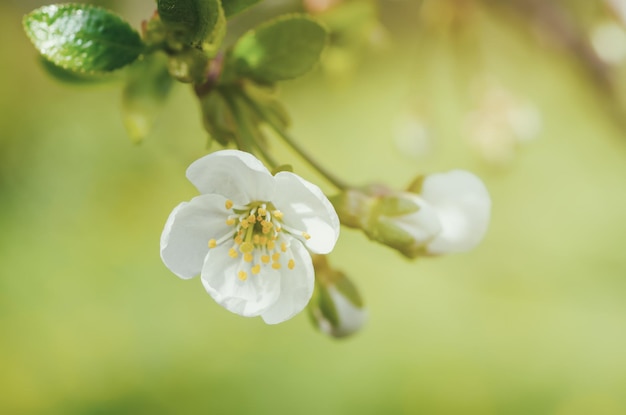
(184, 241)
(296, 286)
(307, 209)
(247, 298)
(463, 205)
(235, 174)
(422, 225)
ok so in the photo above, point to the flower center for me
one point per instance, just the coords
(259, 237)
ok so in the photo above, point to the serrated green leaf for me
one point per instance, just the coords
(281, 49)
(198, 23)
(232, 7)
(83, 38)
(75, 78)
(147, 88)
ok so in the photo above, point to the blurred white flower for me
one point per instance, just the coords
(249, 235)
(609, 42)
(500, 123)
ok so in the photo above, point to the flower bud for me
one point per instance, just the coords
(336, 308)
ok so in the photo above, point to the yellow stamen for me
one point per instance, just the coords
(276, 265)
(283, 247)
(262, 211)
(251, 219)
(306, 236)
(278, 214)
(256, 239)
(246, 247)
(238, 240)
(263, 240)
(276, 256)
(230, 221)
(247, 257)
(232, 253)
(212, 243)
(245, 224)
(265, 259)
(242, 275)
(256, 269)
(229, 204)
(271, 244)
(291, 264)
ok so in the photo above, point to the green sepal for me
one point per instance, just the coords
(197, 23)
(349, 290)
(385, 231)
(232, 7)
(146, 90)
(278, 50)
(76, 78)
(395, 206)
(83, 38)
(218, 118)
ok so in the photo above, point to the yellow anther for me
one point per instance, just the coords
(248, 257)
(262, 211)
(291, 264)
(232, 253)
(246, 247)
(278, 214)
(230, 221)
(267, 225)
(245, 224)
(256, 239)
(266, 230)
(212, 243)
(276, 256)
(283, 247)
(229, 204)
(306, 236)
(271, 244)
(242, 275)
(276, 265)
(263, 240)
(256, 269)
(238, 239)
(251, 219)
(265, 259)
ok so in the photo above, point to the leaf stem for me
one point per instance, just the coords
(330, 177)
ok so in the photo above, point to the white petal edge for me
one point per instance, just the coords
(247, 298)
(307, 209)
(235, 174)
(296, 287)
(423, 225)
(184, 241)
(463, 205)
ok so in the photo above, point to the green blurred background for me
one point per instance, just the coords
(531, 322)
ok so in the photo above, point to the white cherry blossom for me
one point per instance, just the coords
(249, 235)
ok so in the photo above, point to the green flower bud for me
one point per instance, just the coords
(336, 307)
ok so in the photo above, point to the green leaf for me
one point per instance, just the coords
(83, 38)
(76, 78)
(281, 49)
(198, 23)
(232, 7)
(147, 88)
